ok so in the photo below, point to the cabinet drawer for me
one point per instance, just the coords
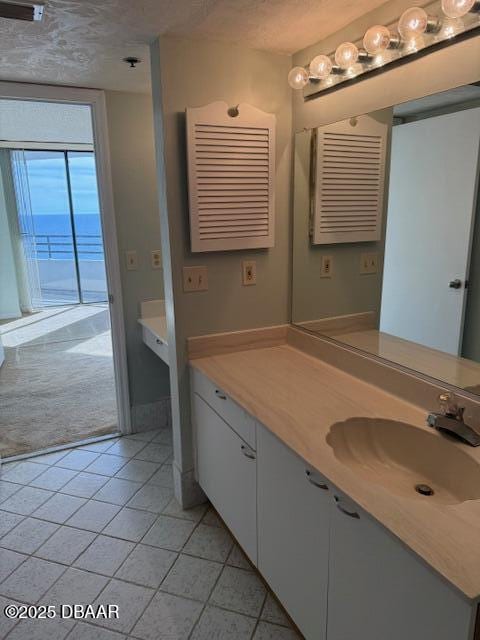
(226, 471)
(156, 344)
(236, 417)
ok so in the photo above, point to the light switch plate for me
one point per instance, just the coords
(368, 263)
(326, 269)
(195, 279)
(249, 272)
(132, 260)
(156, 259)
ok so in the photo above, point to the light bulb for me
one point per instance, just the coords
(377, 39)
(346, 55)
(320, 67)
(413, 23)
(458, 8)
(298, 77)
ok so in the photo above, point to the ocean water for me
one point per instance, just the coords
(85, 224)
(52, 225)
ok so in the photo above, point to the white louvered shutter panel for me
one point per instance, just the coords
(349, 181)
(231, 169)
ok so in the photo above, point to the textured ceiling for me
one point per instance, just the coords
(82, 42)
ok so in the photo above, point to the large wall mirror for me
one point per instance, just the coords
(387, 234)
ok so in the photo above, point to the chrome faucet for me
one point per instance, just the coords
(450, 420)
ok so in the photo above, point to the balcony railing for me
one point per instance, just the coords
(53, 246)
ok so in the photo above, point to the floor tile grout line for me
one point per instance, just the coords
(58, 526)
(216, 581)
(205, 604)
(59, 490)
(259, 615)
(31, 515)
(12, 494)
(47, 589)
(178, 553)
(85, 500)
(158, 589)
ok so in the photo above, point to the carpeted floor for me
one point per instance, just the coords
(57, 381)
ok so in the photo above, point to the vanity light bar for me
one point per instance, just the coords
(415, 30)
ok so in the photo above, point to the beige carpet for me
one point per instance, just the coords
(56, 384)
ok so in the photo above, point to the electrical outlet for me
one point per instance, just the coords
(249, 272)
(368, 263)
(156, 259)
(327, 267)
(132, 260)
(195, 279)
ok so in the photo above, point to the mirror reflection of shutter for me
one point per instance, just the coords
(350, 181)
(231, 169)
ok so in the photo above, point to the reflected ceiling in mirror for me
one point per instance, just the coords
(387, 234)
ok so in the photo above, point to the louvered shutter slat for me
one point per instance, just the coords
(231, 178)
(349, 181)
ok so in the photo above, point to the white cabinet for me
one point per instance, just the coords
(234, 415)
(226, 471)
(339, 574)
(380, 590)
(294, 506)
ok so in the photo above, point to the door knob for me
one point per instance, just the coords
(455, 284)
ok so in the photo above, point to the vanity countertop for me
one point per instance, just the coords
(157, 325)
(299, 397)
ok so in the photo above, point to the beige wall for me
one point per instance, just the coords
(194, 73)
(130, 124)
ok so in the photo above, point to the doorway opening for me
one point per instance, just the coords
(58, 370)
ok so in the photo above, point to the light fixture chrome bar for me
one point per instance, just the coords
(434, 24)
(364, 56)
(395, 41)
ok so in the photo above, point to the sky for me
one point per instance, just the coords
(48, 182)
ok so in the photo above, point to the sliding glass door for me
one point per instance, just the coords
(64, 235)
(87, 227)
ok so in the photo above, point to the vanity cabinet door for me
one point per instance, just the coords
(379, 590)
(294, 506)
(226, 471)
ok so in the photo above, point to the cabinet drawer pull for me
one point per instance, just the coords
(159, 341)
(350, 514)
(220, 395)
(248, 453)
(316, 483)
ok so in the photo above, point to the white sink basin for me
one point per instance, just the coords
(400, 457)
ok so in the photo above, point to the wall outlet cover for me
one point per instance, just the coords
(132, 260)
(326, 269)
(368, 263)
(249, 272)
(156, 259)
(195, 279)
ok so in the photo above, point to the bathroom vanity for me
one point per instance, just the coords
(312, 442)
(154, 327)
(331, 518)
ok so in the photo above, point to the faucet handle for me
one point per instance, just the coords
(449, 405)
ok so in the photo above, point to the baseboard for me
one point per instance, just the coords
(188, 492)
(153, 415)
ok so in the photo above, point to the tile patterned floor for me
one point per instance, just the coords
(99, 524)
